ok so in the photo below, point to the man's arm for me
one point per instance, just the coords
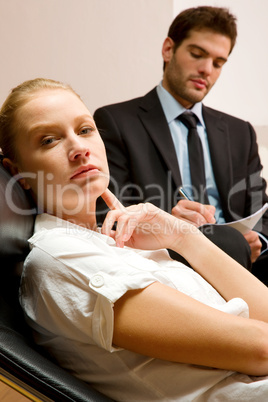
(117, 153)
(256, 197)
(256, 185)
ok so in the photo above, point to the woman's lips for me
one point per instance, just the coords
(85, 171)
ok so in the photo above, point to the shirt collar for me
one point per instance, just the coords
(172, 108)
(46, 221)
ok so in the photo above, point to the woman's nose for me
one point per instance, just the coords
(78, 151)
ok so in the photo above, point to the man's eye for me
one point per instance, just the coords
(218, 64)
(196, 55)
(86, 130)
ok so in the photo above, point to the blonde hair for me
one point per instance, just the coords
(19, 96)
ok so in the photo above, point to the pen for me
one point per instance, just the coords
(183, 193)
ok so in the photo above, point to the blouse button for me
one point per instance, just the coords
(97, 281)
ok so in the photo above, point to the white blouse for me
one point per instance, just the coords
(71, 279)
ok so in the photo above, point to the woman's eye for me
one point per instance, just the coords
(47, 140)
(86, 130)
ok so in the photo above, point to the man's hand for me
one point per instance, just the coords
(194, 212)
(254, 243)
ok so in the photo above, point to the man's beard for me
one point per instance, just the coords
(177, 85)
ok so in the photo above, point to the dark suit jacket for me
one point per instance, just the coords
(144, 166)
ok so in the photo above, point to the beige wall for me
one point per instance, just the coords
(108, 50)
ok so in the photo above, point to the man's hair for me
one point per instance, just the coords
(216, 19)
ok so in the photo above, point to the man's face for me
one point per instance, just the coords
(195, 66)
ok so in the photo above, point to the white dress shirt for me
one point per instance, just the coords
(71, 279)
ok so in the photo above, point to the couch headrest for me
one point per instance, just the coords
(16, 219)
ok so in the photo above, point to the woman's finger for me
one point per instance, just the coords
(109, 221)
(126, 225)
(111, 201)
(126, 221)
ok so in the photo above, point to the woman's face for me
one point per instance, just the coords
(60, 153)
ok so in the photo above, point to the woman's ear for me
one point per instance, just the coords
(10, 166)
(14, 171)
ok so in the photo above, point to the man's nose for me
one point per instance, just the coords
(206, 67)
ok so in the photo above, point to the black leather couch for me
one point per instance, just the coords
(21, 361)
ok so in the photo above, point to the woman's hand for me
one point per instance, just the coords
(143, 226)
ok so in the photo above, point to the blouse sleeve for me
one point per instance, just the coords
(70, 284)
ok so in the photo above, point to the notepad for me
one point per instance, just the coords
(244, 225)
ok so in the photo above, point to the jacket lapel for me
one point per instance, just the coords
(220, 152)
(154, 121)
